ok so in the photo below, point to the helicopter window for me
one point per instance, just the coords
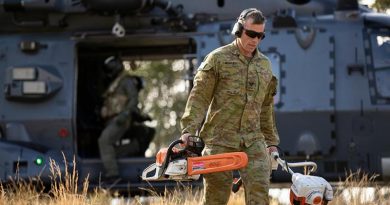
(381, 63)
(381, 51)
(275, 61)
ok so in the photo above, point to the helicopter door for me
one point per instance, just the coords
(303, 61)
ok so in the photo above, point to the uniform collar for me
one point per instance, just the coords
(236, 51)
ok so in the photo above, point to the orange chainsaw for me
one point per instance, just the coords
(188, 164)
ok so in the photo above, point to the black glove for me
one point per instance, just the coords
(147, 117)
(138, 117)
(195, 144)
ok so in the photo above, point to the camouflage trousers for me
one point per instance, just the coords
(139, 134)
(255, 176)
(108, 152)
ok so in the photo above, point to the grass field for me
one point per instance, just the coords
(357, 189)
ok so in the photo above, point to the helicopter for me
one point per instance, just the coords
(331, 59)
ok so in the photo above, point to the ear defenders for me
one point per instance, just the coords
(238, 26)
(113, 65)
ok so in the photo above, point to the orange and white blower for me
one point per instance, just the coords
(305, 189)
(187, 164)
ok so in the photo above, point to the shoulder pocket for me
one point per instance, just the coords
(204, 66)
(273, 86)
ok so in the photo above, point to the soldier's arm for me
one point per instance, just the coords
(200, 96)
(132, 93)
(267, 116)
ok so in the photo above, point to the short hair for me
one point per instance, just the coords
(256, 15)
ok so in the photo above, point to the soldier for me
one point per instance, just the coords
(123, 117)
(235, 86)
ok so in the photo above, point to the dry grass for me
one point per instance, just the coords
(361, 189)
(357, 189)
(189, 196)
(64, 190)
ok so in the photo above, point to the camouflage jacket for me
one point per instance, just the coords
(237, 94)
(122, 95)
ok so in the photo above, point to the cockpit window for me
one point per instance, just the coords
(380, 47)
(381, 51)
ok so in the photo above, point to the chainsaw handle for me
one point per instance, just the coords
(313, 165)
(286, 165)
(170, 152)
(149, 169)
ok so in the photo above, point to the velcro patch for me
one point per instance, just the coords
(230, 63)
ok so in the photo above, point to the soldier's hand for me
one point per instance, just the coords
(184, 138)
(147, 117)
(272, 149)
(140, 117)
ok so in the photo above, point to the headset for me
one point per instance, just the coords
(238, 26)
(113, 66)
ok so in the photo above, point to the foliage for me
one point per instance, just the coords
(163, 98)
(382, 5)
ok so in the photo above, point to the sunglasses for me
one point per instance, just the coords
(254, 34)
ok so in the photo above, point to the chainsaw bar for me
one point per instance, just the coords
(216, 163)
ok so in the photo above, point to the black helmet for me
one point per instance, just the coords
(113, 66)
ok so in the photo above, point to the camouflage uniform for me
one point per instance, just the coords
(119, 108)
(237, 94)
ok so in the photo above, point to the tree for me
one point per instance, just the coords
(382, 5)
(163, 98)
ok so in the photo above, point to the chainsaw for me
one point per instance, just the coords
(305, 189)
(187, 164)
